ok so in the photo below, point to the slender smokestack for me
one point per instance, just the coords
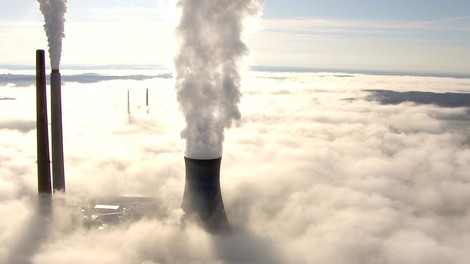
(202, 197)
(147, 99)
(56, 129)
(129, 107)
(44, 166)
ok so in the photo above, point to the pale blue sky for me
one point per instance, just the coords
(369, 9)
(398, 35)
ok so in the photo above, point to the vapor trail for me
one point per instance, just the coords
(207, 77)
(54, 18)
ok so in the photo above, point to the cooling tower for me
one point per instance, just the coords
(44, 166)
(58, 178)
(202, 199)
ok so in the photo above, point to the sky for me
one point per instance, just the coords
(430, 36)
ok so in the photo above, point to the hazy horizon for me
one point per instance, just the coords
(265, 68)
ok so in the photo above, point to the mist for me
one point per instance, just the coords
(306, 177)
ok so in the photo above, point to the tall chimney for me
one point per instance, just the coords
(44, 166)
(147, 100)
(202, 197)
(58, 178)
(147, 97)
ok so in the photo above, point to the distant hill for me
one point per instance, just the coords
(29, 79)
(440, 99)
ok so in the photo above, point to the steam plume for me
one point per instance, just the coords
(207, 77)
(54, 18)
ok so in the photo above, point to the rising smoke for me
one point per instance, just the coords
(54, 18)
(207, 77)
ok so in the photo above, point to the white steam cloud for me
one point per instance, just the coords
(54, 18)
(207, 77)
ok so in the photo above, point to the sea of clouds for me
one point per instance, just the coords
(313, 172)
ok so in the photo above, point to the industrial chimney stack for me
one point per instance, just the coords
(58, 178)
(202, 197)
(44, 169)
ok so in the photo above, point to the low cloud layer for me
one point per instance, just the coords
(307, 177)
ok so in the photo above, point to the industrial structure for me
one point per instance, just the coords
(44, 167)
(46, 184)
(202, 198)
(58, 177)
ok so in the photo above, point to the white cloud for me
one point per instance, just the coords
(306, 176)
(310, 25)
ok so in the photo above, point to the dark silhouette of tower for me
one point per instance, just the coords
(58, 178)
(43, 159)
(202, 199)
